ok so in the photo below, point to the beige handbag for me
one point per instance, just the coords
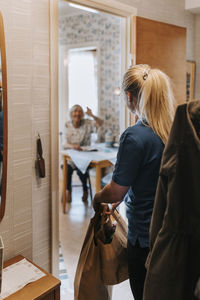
(101, 263)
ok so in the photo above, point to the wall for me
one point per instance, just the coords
(105, 30)
(170, 11)
(174, 12)
(26, 226)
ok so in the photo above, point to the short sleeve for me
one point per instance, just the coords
(68, 132)
(129, 160)
(91, 125)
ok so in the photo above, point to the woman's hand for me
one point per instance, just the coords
(77, 147)
(73, 146)
(98, 121)
(111, 207)
(89, 112)
(96, 203)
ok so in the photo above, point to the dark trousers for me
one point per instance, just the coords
(136, 268)
(83, 177)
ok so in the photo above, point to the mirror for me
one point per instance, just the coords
(3, 120)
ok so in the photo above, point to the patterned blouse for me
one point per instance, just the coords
(81, 135)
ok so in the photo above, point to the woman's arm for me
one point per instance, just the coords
(97, 119)
(111, 193)
(72, 146)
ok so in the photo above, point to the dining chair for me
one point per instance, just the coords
(89, 185)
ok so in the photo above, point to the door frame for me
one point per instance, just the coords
(109, 6)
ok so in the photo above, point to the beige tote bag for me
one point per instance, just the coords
(103, 259)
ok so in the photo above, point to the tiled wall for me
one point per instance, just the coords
(26, 226)
(104, 29)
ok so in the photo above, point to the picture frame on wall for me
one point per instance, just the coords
(190, 80)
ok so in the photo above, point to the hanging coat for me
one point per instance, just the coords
(197, 289)
(173, 265)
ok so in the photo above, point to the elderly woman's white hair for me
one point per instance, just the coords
(73, 108)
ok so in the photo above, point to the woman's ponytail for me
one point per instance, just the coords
(155, 100)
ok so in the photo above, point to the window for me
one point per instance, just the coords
(82, 79)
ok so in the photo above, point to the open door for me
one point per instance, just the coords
(162, 46)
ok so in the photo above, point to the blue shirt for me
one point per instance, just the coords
(137, 166)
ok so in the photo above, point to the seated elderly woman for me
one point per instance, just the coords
(78, 134)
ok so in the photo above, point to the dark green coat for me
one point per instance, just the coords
(173, 265)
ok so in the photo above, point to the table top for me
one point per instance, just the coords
(82, 159)
(34, 289)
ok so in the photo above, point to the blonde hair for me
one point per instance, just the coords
(154, 96)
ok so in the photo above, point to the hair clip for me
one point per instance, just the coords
(145, 74)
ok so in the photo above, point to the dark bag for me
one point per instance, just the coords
(101, 263)
(40, 159)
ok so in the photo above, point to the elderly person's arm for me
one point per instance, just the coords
(72, 146)
(98, 121)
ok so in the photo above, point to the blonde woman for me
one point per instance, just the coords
(149, 95)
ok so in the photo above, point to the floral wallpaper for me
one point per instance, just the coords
(105, 29)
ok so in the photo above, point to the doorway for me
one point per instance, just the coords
(97, 39)
(115, 8)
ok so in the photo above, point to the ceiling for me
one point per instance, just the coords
(193, 6)
(195, 10)
(65, 9)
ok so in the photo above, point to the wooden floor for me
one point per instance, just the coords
(73, 227)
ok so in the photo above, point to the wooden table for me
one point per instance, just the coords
(98, 165)
(45, 288)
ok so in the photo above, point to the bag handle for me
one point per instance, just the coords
(105, 216)
(102, 217)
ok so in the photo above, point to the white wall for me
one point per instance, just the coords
(173, 12)
(26, 226)
(168, 11)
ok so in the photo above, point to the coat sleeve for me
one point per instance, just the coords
(159, 209)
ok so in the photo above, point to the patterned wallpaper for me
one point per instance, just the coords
(104, 29)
